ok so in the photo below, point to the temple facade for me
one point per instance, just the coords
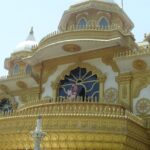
(89, 81)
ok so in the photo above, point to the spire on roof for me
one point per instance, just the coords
(31, 35)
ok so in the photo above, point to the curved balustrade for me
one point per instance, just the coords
(147, 122)
(64, 107)
(61, 106)
(61, 100)
(91, 27)
(134, 118)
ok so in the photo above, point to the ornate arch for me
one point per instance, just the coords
(82, 22)
(105, 20)
(82, 65)
(100, 76)
(28, 69)
(16, 69)
(4, 95)
(6, 102)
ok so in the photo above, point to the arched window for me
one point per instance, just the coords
(5, 105)
(82, 23)
(103, 22)
(79, 82)
(16, 69)
(28, 69)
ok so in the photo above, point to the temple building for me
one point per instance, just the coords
(89, 81)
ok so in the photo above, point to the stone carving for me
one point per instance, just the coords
(111, 95)
(139, 64)
(143, 106)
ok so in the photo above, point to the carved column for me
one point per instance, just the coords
(54, 86)
(124, 82)
(102, 80)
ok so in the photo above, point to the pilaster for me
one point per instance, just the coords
(102, 80)
(124, 82)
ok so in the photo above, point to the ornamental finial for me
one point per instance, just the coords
(31, 35)
(31, 31)
(38, 134)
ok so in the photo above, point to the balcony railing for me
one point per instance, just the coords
(76, 107)
(16, 76)
(131, 53)
(90, 27)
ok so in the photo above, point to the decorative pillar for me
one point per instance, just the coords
(37, 134)
(102, 80)
(54, 88)
(124, 82)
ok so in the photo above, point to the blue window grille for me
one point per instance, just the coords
(80, 82)
(103, 23)
(28, 69)
(82, 23)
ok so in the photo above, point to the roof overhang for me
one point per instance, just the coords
(16, 83)
(55, 50)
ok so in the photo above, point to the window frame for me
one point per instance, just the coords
(106, 19)
(82, 26)
(27, 66)
(16, 71)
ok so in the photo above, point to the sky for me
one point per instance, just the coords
(18, 16)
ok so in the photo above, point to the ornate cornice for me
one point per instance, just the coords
(124, 77)
(88, 31)
(108, 60)
(140, 81)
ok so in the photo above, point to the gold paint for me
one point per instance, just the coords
(143, 106)
(75, 124)
(21, 85)
(124, 91)
(102, 80)
(71, 48)
(51, 65)
(108, 60)
(124, 80)
(140, 81)
(139, 64)
(64, 127)
(4, 88)
(111, 95)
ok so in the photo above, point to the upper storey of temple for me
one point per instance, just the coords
(86, 26)
(98, 13)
